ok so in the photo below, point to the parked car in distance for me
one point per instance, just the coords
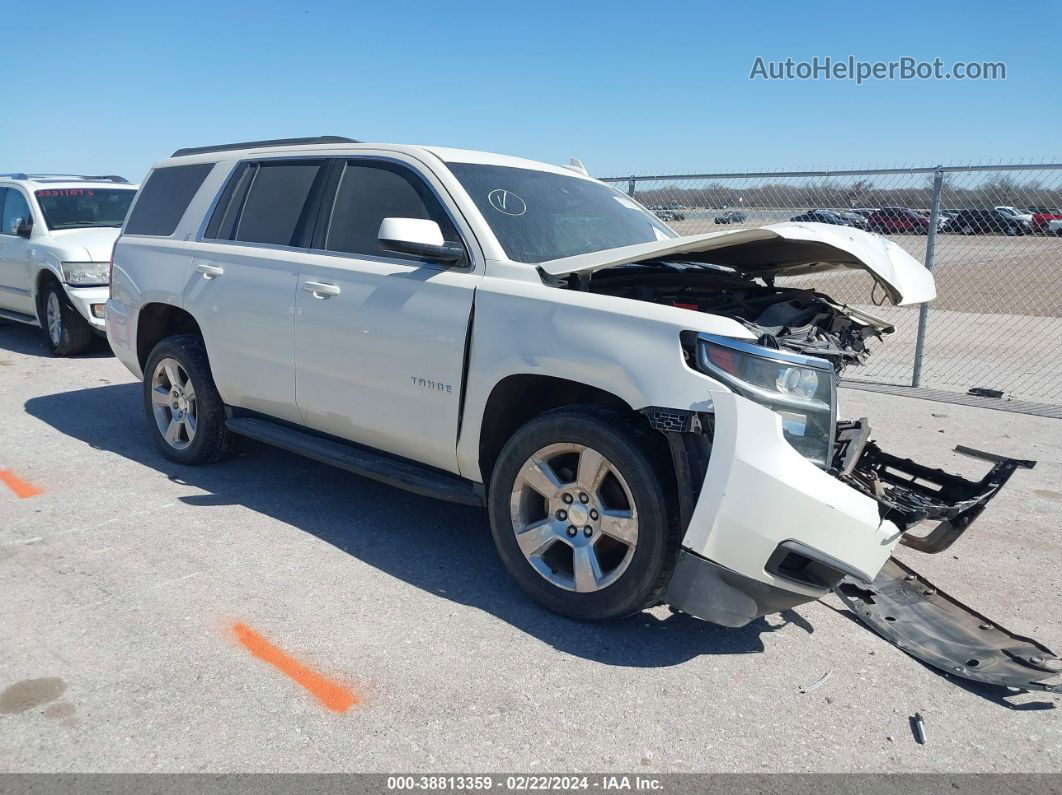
(854, 219)
(890, 220)
(985, 221)
(732, 217)
(1054, 227)
(56, 236)
(1041, 219)
(821, 217)
(668, 433)
(669, 212)
(1024, 216)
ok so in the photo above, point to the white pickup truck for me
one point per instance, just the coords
(646, 417)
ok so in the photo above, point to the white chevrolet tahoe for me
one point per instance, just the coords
(56, 236)
(646, 417)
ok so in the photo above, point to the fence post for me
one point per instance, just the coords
(923, 309)
(630, 187)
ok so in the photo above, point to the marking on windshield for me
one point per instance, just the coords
(506, 202)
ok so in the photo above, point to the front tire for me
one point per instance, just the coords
(184, 410)
(580, 514)
(65, 330)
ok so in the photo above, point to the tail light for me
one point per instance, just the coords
(110, 270)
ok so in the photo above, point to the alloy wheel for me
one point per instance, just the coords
(54, 318)
(574, 517)
(173, 403)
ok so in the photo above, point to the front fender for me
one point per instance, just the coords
(630, 349)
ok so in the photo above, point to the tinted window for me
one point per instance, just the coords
(276, 204)
(370, 192)
(164, 198)
(15, 209)
(226, 212)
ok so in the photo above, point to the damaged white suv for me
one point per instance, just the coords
(646, 417)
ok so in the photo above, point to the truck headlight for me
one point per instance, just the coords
(802, 389)
(85, 274)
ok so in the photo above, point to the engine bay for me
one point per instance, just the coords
(802, 320)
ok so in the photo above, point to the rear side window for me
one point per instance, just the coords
(267, 202)
(370, 192)
(164, 198)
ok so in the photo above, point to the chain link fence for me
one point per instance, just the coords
(991, 234)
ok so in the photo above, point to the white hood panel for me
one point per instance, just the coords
(786, 249)
(93, 244)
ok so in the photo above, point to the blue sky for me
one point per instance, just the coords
(627, 87)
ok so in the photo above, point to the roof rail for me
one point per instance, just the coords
(85, 177)
(319, 139)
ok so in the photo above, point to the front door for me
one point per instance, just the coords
(379, 337)
(16, 293)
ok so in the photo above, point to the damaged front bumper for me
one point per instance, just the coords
(908, 493)
(766, 530)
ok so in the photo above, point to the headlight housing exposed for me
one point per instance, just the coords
(86, 274)
(802, 389)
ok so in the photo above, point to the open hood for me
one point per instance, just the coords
(786, 249)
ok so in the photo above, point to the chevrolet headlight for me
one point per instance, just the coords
(801, 389)
(86, 274)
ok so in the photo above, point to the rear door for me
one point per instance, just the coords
(243, 279)
(380, 337)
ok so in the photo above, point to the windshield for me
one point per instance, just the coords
(77, 208)
(538, 216)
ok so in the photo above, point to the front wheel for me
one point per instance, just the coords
(580, 515)
(66, 331)
(184, 410)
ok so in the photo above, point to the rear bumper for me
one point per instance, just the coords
(90, 303)
(121, 335)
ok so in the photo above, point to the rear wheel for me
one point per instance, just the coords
(184, 410)
(580, 515)
(65, 330)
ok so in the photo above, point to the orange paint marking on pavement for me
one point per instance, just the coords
(329, 694)
(22, 488)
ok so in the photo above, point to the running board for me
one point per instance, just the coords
(18, 317)
(363, 461)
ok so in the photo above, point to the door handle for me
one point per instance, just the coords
(209, 271)
(320, 289)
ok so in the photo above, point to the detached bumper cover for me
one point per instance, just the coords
(908, 493)
(920, 619)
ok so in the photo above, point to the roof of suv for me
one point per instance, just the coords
(445, 154)
(66, 179)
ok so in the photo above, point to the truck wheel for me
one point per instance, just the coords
(580, 516)
(184, 410)
(67, 333)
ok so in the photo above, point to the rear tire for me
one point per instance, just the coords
(65, 330)
(184, 410)
(590, 470)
